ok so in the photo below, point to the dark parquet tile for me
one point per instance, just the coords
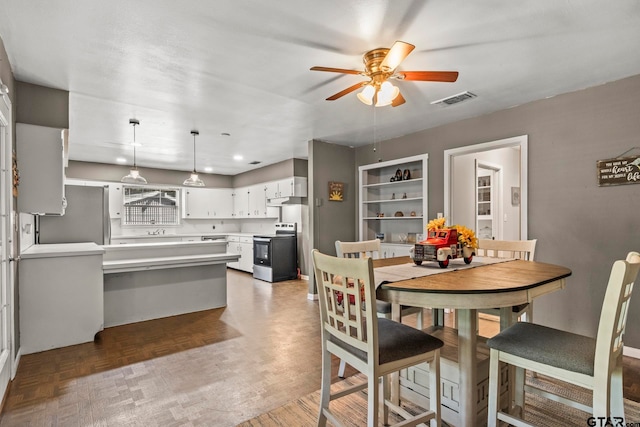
(212, 368)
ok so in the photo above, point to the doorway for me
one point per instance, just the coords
(509, 156)
(488, 201)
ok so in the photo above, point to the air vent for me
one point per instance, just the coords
(455, 99)
(255, 162)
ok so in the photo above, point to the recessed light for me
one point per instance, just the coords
(121, 160)
(208, 169)
(237, 157)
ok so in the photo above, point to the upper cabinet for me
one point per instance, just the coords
(206, 203)
(393, 200)
(40, 156)
(251, 202)
(294, 186)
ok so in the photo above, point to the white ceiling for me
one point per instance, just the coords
(242, 67)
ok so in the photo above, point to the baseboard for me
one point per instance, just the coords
(304, 277)
(631, 352)
(16, 362)
(312, 297)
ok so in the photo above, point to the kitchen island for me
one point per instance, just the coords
(144, 281)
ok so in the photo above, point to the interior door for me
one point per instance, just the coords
(6, 242)
(488, 202)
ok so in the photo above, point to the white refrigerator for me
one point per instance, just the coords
(85, 219)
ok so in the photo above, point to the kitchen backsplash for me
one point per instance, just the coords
(198, 227)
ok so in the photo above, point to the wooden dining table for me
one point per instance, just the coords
(499, 285)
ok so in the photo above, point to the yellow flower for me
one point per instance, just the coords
(467, 236)
(436, 224)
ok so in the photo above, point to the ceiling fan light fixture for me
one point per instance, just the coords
(194, 180)
(387, 94)
(366, 96)
(134, 176)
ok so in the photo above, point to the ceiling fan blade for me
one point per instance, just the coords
(396, 55)
(335, 70)
(346, 91)
(399, 100)
(429, 76)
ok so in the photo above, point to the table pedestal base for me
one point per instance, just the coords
(414, 381)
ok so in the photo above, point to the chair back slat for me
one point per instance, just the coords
(344, 287)
(518, 249)
(613, 317)
(366, 248)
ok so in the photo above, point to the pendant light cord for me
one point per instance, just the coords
(194, 153)
(134, 146)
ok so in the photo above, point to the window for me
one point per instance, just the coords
(150, 206)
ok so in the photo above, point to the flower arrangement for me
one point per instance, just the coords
(466, 236)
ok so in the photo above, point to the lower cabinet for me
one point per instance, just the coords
(243, 246)
(391, 250)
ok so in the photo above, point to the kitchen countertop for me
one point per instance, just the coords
(152, 236)
(61, 250)
(128, 246)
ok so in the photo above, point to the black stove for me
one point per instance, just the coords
(275, 256)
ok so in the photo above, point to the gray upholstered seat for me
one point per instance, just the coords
(396, 341)
(550, 346)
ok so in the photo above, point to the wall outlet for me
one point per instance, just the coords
(439, 215)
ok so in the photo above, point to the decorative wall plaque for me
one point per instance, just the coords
(622, 170)
(336, 191)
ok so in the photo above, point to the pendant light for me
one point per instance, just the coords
(134, 176)
(193, 180)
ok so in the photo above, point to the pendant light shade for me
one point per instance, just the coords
(194, 180)
(134, 176)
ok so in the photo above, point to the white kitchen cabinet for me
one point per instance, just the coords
(115, 200)
(40, 156)
(393, 203)
(207, 203)
(243, 246)
(390, 250)
(294, 186)
(257, 201)
(241, 202)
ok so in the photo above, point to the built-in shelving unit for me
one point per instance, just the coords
(484, 207)
(393, 201)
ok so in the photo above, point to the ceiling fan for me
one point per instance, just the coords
(380, 67)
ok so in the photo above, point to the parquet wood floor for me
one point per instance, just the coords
(211, 368)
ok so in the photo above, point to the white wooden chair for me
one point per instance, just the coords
(375, 346)
(518, 249)
(373, 249)
(595, 364)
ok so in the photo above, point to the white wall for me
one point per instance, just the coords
(463, 188)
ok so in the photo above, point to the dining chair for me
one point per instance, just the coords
(517, 249)
(592, 363)
(373, 249)
(374, 345)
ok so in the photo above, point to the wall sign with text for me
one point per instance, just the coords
(623, 170)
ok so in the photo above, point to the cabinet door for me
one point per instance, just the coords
(115, 200)
(246, 259)
(271, 191)
(222, 202)
(241, 202)
(233, 247)
(196, 203)
(257, 201)
(40, 154)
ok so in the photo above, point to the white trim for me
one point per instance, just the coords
(516, 141)
(312, 297)
(304, 277)
(14, 365)
(631, 352)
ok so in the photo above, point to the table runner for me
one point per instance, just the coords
(395, 273)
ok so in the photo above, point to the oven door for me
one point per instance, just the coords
(262, 251)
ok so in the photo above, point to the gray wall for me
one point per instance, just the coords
(577, 224)
(280, 170)
(42, 106)
(330, 221)
(107, 172)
